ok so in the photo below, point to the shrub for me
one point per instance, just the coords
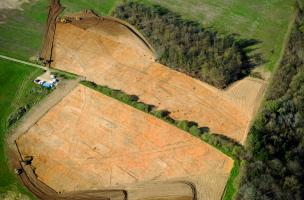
(194, 130)
(15, 116)
(183, 125)
(162, 114)
(142, 106)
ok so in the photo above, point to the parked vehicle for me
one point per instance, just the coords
(36, 81)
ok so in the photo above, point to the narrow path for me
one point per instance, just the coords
(286, 39)
(22, 62)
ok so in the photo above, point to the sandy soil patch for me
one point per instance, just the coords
(110, 54)
(90, 141)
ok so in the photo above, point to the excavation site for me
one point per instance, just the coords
(91, 146)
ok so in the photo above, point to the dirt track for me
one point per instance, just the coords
(110, 54)
(91, 142)
(54, 10)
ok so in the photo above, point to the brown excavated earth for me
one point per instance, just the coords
(108, 53)
(89, 141)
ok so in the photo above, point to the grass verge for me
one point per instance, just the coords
(18, 94)
(230, 189)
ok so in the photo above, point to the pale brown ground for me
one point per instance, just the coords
(108, 53)
(12, 4)
(90, 141)
(7, 5)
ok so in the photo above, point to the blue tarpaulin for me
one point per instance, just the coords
(47, 85)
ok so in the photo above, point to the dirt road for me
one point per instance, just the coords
(54, 10)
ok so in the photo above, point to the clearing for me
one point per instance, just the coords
(108, 53)
(90, 141)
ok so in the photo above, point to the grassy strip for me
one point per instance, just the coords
(18, 94)
(230, 189)
(233, 150)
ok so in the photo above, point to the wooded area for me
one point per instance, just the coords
(275, 156)
(188, 47)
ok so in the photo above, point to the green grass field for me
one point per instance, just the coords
(21, 35)
(102, 7)
(16, 90)
(263, 20)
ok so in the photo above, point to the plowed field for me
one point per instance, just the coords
(90, 141)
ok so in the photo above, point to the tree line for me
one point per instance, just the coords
(186, 46)
(274, 167)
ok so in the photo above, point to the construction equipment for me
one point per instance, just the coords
(27, 160)
(63, 20)
(18, 171)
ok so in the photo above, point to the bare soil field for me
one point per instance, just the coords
(89, 141)
(108, 53)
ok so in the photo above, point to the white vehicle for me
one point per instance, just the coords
(41, 82)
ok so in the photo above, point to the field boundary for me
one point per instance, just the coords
(22, 62)
(133, 30)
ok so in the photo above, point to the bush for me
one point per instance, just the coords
(194, 130)
(256, 75)
(183, 125)
(162, 114)
(142, 106)
(15, 116)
